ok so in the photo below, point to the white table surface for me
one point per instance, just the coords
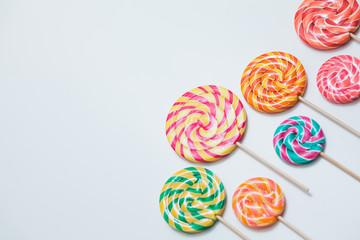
(84, 93)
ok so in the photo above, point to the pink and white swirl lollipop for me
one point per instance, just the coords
(338, 79)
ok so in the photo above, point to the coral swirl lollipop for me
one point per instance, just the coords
(273, 82)
(338, 79)
(299, 140)
(259, 202)
(327, 24)
(204, 124)
(192, 200)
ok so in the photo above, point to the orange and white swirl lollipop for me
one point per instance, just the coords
(327, 24)
(275, 82)
(259, 202)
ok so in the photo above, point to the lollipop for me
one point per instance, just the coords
(275, 82)
(193, 199)
(207, 123)
(300, 140)
(204, 124)
(259, 202)
(327, 24)
(338, 79)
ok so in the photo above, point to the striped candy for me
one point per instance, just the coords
(258, 202)
(338, 79)
(299, 140)
(326, 24)
(273, 81)
(191, 199)
(204, 123)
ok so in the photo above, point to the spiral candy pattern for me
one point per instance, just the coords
(191, 199)
(204, 124)
(258, 202)
(299, 140)
(273, 81)
(338, 79)
(326, 24)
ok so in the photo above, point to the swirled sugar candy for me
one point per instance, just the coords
(259, 202)
(273, 82)
(327, 24)
(300, 140)
(193, 199)
(204, 124)
(338, 79)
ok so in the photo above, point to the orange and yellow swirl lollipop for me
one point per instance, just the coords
(273, 81)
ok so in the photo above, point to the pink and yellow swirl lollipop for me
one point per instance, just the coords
(327, 24)
(204, 124)
(338, 79)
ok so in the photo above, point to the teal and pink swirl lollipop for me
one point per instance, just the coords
(300, 140)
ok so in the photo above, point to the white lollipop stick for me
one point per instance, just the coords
(272, 167)
(355, 37)
(357, 177)
(231, 227)
(326, 114)
(292, 227)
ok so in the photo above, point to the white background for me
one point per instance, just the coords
(85, 88)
